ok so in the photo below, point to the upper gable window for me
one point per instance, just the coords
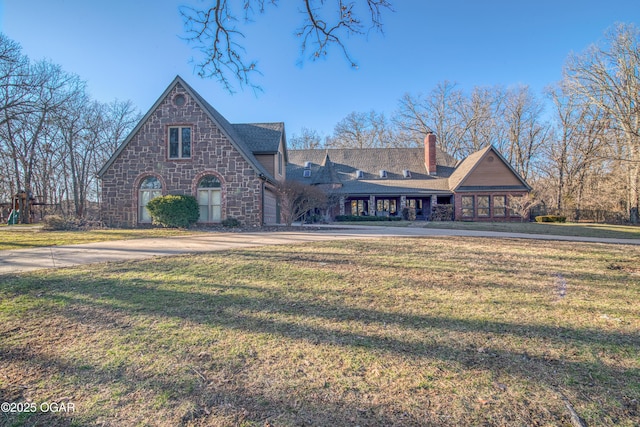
(179, 100)
(179, 142)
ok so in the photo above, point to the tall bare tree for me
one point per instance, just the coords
(308, 139)
(577, 147)
(363, 130)
(526, 132)
(215, 32)
(53, 138)
(436, 112)
(23, 131)
(480, 115)
(608, 76)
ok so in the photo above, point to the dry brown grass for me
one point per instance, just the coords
(388, 332)
(25, 237)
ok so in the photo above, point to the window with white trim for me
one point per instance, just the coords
(210, 199)
(150, 188)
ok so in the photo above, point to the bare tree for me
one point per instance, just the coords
(578, 145)
(480, 115)
(296, 199)
(363, 130)
(522, 205)
(525, 130)
(308, 139)
(120, 118)
(437, 112)
(53, 138)
(216, 34)
(23, 131)
(608, 76)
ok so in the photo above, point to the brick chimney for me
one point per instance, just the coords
(430, 153)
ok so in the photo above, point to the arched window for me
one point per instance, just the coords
(210, 199)
(150, 188)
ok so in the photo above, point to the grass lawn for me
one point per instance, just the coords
(24, 237)
(407, 332)
(566, 229)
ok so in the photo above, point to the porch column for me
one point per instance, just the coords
(341, 202)
(403, 203)
(372, 206)
(433, 203)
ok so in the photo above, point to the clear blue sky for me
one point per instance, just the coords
(131, 49)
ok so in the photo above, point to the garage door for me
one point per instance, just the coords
(270, 208)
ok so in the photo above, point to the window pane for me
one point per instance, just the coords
(203, 197)
(215, 197)
(204, 213)
(173, 142)
(209, 181)
(144, 214)
(467, 206)
(145, 196)
(150, 183)
(186, 142)
(483, 205)
(215, 213)
(499, 206)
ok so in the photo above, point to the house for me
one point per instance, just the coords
(183, 145)
(384, 181)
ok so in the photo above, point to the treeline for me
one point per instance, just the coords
(577, 144)
(53, 136)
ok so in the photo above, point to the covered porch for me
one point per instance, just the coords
(392, 205)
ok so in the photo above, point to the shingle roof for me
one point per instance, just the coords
(345, 162)
(261, 137)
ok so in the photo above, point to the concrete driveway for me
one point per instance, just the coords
(24, 260)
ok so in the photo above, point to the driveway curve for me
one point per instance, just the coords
(25, 260)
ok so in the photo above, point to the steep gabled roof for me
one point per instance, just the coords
(261, 137)
(221, 123)
(471, 162)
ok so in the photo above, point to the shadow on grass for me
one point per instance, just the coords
(302, 316)
(230, 400)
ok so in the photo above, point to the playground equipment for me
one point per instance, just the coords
(13, 217)
(21, 202)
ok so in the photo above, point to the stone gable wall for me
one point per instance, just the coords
(211, 152)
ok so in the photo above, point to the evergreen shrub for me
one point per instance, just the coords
(551, 218)
(174, 211)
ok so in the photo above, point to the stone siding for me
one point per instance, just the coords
(211, 153)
